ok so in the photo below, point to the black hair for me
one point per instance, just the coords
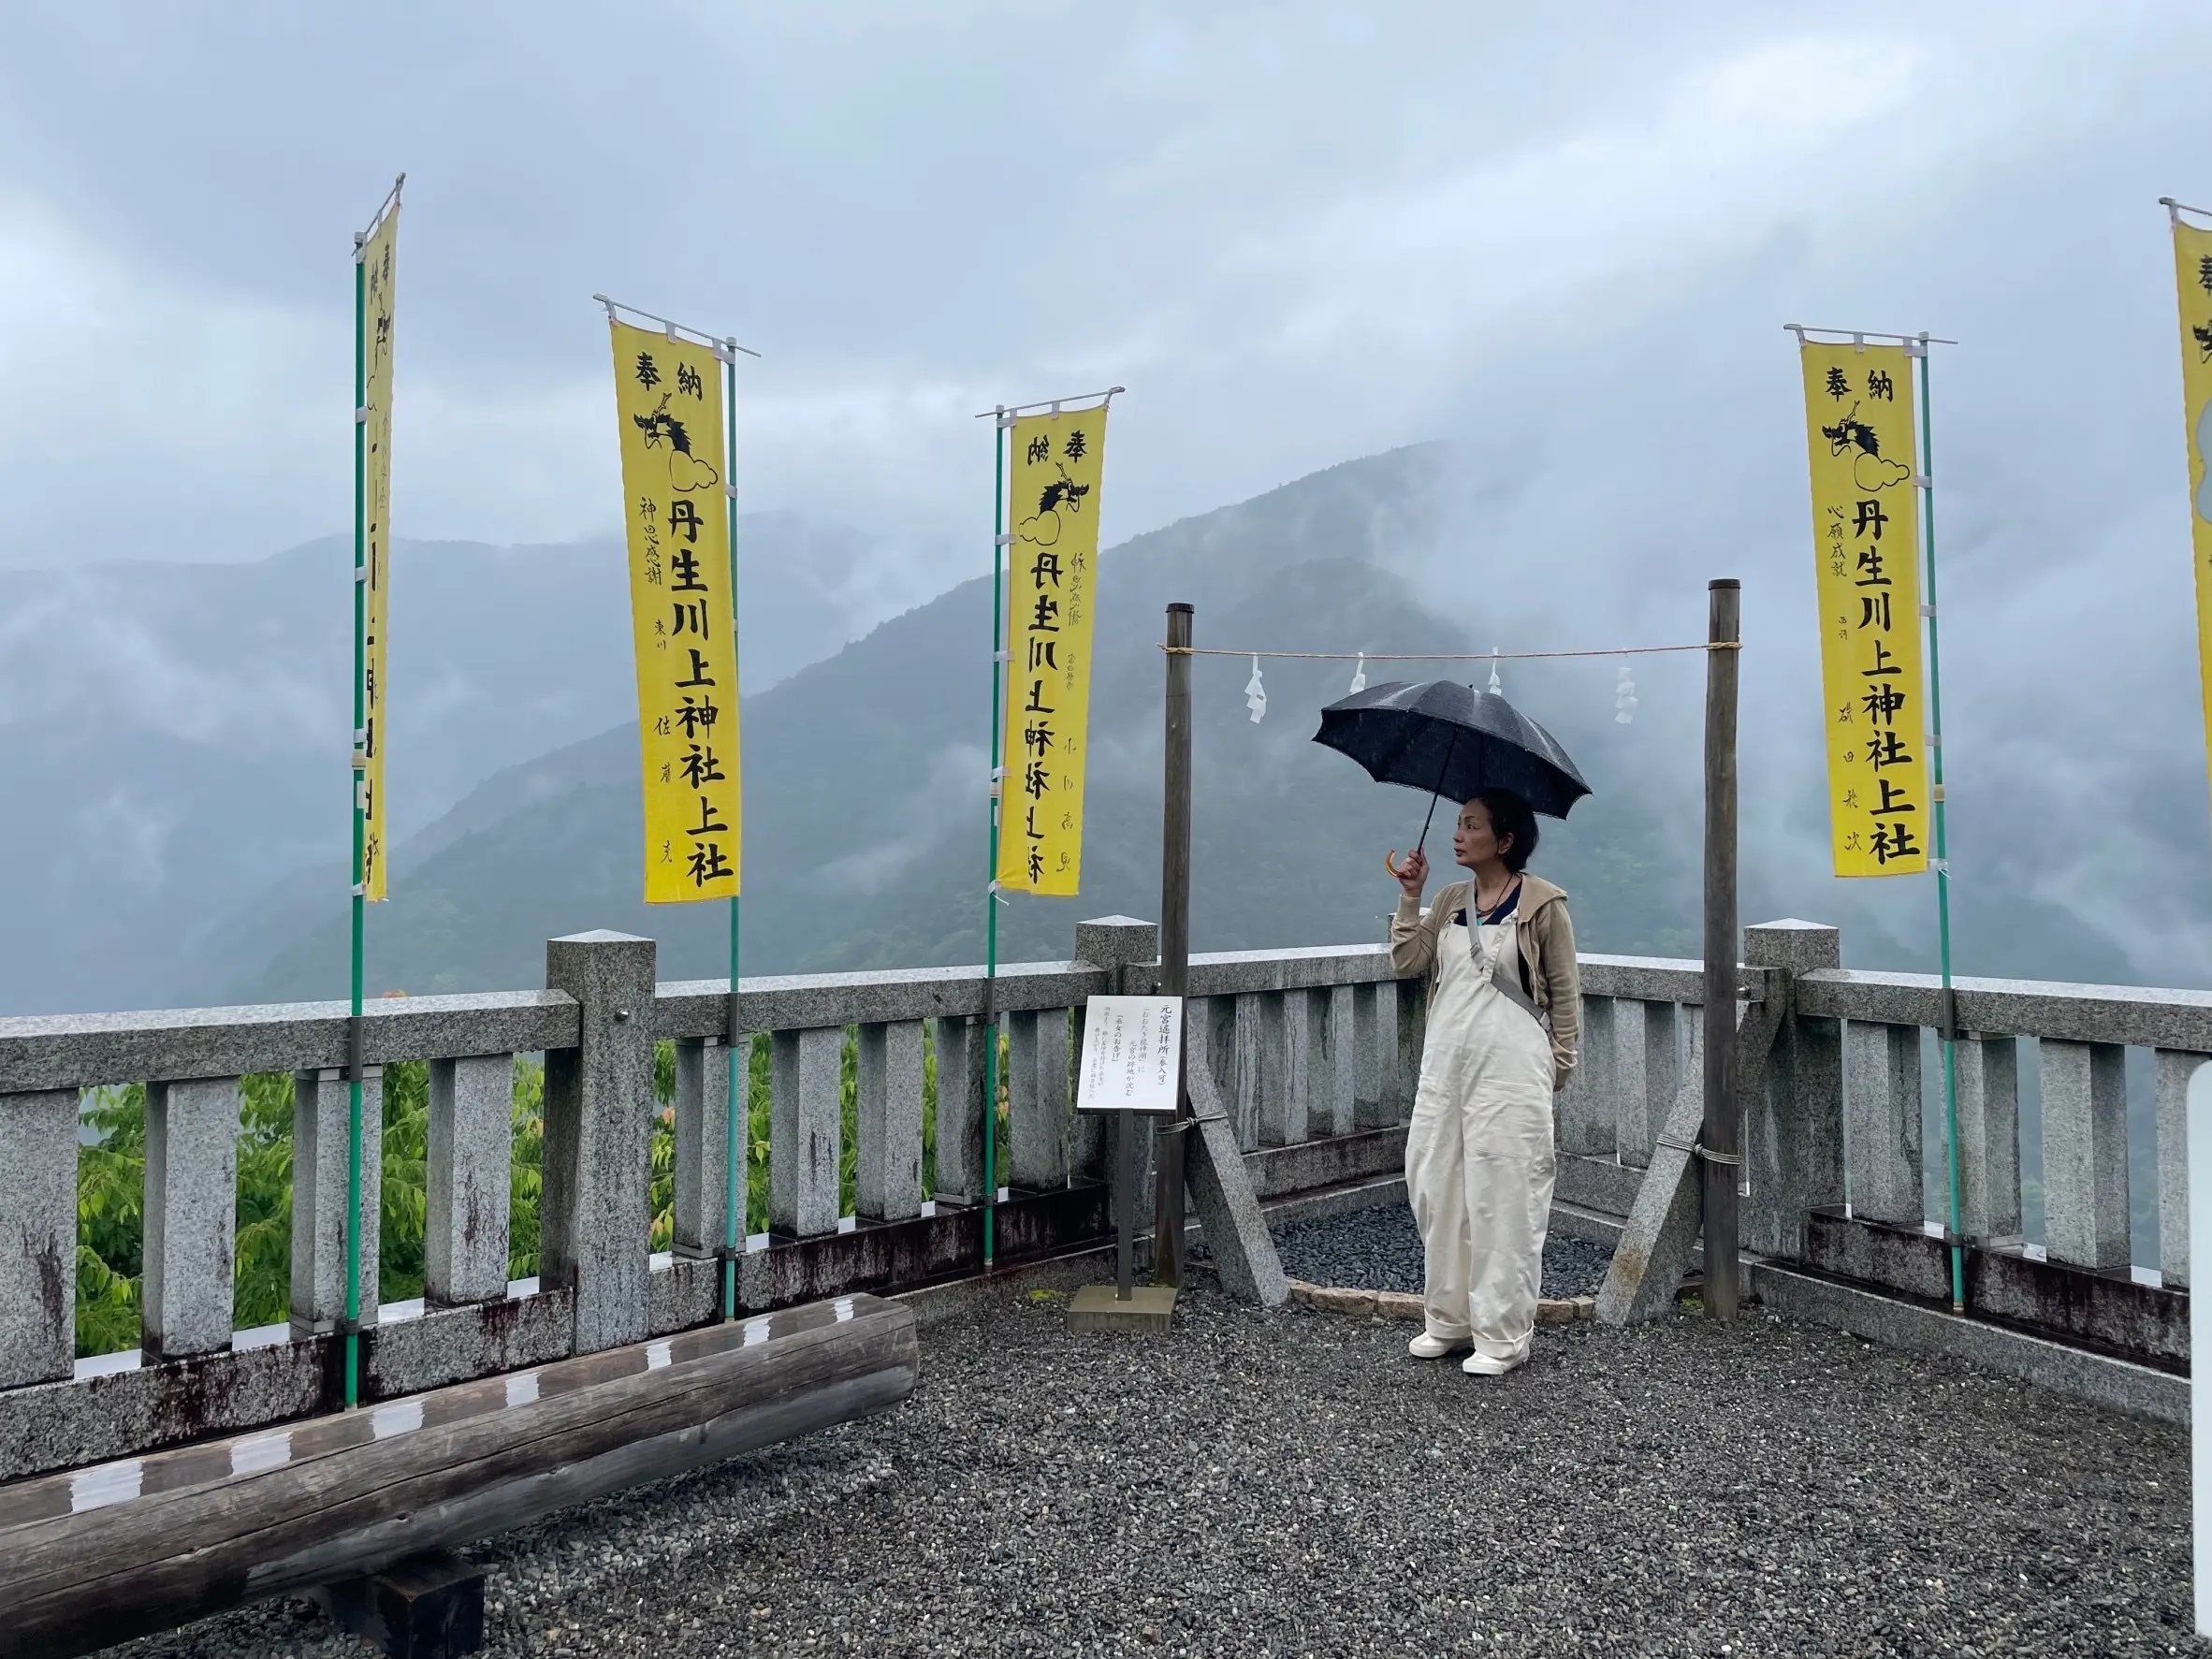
(1511, 817)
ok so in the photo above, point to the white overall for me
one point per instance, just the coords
(1478, 1153)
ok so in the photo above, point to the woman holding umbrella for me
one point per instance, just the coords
(1505, 1009)
(1504, 1020)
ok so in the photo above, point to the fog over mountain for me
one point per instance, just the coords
(173, 736)
(863, 784)
(1563, 244)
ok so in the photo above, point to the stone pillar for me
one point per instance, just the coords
(1588, 1110)
(1260, 1068)
(1338, 1106)
(1372, 1005)
(2084, 1153)
(39, 1238)
(2174, 1070)
(469, 1178)
(1650, 1073)
(1306, 1074)
(1037, 1101)
(1119, 945)
(702, 1204)
(191, 1215)
(1882, 1095)
(1988, 1136)
(1793, 1141)
(321, 1105)
(887, 1083)
(806, 1130)
(594, 1225)
(960, 1046)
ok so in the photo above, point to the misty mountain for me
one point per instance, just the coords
(865, 786)
(174, 737)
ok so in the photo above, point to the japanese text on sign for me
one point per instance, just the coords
(2193, 270)
(669, 405)
(376, 513)
(1866, 518)
(1132, 1052)
(1057, 463)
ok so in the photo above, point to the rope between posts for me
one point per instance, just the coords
(1718, 645)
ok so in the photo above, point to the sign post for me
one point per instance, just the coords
(1132, 1062)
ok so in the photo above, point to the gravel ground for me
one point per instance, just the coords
(1291, 1483)
(1377, 1249)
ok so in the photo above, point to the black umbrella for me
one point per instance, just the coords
(1450, 739)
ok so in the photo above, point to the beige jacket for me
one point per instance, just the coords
(1547, 956)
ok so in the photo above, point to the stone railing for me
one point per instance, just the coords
(1320, 1047)
(1316, 1053)
(1843, 1157)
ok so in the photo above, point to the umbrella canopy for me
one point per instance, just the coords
(1454, 741)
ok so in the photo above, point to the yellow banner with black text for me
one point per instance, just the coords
(668, 397)
(1055, 462)
(2192, 273)
(375, 348)
(1866, 526)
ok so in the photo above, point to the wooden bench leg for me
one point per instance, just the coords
(427, 1606)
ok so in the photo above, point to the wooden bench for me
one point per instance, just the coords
(119, 1550)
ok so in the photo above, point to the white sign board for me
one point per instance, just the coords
(1132, 1048)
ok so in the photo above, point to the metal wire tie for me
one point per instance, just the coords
(1733, 1161)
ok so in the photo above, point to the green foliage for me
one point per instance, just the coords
(849, 1122)
(111, 1182)
(662, 1201)
(403, 1212)
(262, 1280)
(111, 1194)
(525, 1185)
(928, 1112)
(758, 1072)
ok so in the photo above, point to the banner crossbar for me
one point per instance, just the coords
(1717, 644)
(1801, 330)
(389, 205)
(2176, 209)
(720, 341)
(1004, 410)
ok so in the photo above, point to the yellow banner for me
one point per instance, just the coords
(1055, 464)
(2192, 273)
(376, 510)
(668, 396)
(1866, 527)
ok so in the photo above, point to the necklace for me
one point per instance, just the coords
(1511, 887)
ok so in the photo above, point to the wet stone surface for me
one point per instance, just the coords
(1378, 1249)
(1292, 1483)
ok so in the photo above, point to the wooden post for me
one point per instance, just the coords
(1174, 942)
(1721, 1133)
(1125, 1205)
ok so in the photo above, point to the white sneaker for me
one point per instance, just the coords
(1425, 1346)
(1483, 1365)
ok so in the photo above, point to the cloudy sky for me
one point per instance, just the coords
(1297, 233)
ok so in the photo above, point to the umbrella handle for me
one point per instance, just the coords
(1389, 864)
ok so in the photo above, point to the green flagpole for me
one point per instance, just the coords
(361, 763)
(998, 655)
(1948, 1034)
(740, 1071)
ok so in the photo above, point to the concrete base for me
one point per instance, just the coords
(2118, 1385)
(1095, 1307)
